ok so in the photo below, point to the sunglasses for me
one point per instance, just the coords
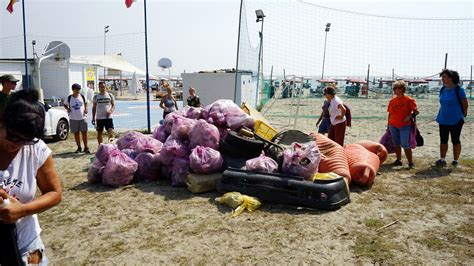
(20, 140)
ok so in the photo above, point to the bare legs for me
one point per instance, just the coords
(408, 154)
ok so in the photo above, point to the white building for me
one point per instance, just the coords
(57, 77)
(212, 86)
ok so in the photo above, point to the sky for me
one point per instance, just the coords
(202, 35)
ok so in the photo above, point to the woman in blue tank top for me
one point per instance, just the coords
(168, 103)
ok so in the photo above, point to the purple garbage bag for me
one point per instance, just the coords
(181, 127)
(165, 172)
(225, 113)
(146, 144)
(204, 134)
(119, 169)
(148, 167)
(301, 159)
(94, 175)
(194, 112)
(263, 164)
(179, 171)
(103, 152)
(190, 112)
(160, 134)
(130, 152)
(205, 160)
(386, 141)
(171, 149)
(168, 123)
(124, 141)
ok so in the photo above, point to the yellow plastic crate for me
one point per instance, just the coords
(264, 130)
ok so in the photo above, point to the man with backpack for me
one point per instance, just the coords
(103, 105)
(76, 106)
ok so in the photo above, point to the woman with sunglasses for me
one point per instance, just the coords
(400, 110)
(25, 164)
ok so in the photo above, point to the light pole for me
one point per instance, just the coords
(106, 29)
(260, 17)
(328, 26)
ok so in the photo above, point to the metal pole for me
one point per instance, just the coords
(470, 85)
(147, 73)
(324, 54)
(258, 65)
(393, 78)
(106, 29)
(445, 60)
(24, 45)
(238, 47)
(368, 72)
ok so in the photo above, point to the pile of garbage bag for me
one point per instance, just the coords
(187, 141)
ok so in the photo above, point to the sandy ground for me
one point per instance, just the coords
(154, 223)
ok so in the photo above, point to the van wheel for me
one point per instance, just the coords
(62, 130)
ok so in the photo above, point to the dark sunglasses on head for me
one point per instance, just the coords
(20, 140)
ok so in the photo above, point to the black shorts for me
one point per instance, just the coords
(107, 123)
(454, 130)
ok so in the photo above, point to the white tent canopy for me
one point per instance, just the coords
(108, 61)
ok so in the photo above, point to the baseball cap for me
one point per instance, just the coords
(76, 86)
(8, 77)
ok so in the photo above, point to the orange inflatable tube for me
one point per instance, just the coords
(363, 164)
(376, 148)
(333, 157)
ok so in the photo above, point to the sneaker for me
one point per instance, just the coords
(87, 151)
(397, 163)
(454, 163)
(79, 150)
(440, 163)
(411, 165)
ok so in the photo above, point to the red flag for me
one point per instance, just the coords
(128, 3)
(10, 6)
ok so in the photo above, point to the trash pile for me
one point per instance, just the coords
(223, 147)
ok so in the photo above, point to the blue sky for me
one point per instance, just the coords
(202, 35)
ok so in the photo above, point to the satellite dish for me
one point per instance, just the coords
(165, 63)
(58, 51)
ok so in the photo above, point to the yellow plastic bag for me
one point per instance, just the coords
(325, 176)
(329, 176)
(239, 202)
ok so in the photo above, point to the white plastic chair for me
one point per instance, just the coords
(57, 101)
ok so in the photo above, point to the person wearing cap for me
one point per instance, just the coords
(168, 103)
(193, 99)
(76, 106)
(8, 84)
(337, 112)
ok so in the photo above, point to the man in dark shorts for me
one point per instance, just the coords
(103, 105)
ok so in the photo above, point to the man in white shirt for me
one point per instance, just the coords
(76, 106)
(103, 105)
